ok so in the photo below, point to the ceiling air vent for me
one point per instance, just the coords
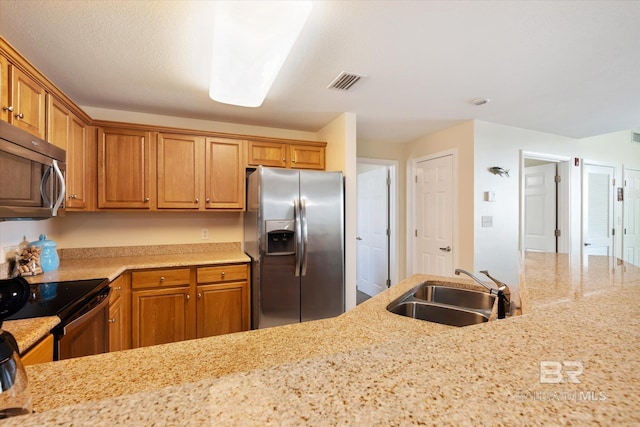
(635, 136)
(344, 81)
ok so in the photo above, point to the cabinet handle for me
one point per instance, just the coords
(111, 320)
(19, 116)
(9, 108)
(199, 295)
(197, 200)
(146, 199)
(208, 200)
(162, 278)
(118, 288)
(223, 274)
(188, 297)
(73, 196)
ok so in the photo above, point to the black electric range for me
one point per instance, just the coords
(61, 299)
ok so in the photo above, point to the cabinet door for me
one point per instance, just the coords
(161, 316)
(125, 169)
(267, 154)
(116, 326)
(222, 309)
(180, 171)
(119, 318)
(81, 171)
(224, 174)
(29, 100)
(306, 157)
(5, 79)
(58, 123)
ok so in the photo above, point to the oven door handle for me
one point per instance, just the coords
(73, 324)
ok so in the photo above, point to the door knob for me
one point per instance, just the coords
(358, 238)
(587, 244)
(447, 249)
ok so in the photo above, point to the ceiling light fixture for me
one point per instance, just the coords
(480, 101)
(251, 40)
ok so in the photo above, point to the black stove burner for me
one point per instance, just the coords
(58, 298)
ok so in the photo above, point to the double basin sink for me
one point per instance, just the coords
(442, 304)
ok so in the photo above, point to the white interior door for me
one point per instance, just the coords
(373, 240)
(434, 216)
(597, 210)
(631, 209)
(540, 220)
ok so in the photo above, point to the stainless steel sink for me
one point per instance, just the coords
(454, 296)
(439, 313)
(442, 304)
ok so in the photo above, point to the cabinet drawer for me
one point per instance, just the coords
(160, 278)
(223, 273)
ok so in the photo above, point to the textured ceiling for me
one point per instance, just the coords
(570, 68)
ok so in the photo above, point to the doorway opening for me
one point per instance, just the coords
(377, 229)
(545, 203)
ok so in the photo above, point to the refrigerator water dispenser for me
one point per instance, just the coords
(280, 237)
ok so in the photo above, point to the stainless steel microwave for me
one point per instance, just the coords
(32, 176)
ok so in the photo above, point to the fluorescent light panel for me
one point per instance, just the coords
(251, 40)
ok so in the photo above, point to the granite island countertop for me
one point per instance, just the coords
(371, 367)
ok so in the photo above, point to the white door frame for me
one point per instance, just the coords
(411, 206)
(393, 212)
(564, 198)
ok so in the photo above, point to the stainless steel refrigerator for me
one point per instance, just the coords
(294, 234)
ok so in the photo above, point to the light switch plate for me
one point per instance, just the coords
(487, 221)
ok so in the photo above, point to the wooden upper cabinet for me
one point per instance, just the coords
(28, 100)
(306, 157)
(286, 155)
(81, 166)
(180, 171)
(5, 79)
(225, 177)
(267, 154)
(58, 123)
(126, 174)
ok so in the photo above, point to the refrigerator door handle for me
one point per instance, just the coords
(298, 236)
(305, 236)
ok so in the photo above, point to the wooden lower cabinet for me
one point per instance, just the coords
(170, 305)
(222, 309)
(162, 316)
(40, 353)
(119, 313)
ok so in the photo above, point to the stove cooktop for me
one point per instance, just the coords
(58, 298)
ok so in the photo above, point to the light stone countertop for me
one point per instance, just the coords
(370, 367)
(110, 263)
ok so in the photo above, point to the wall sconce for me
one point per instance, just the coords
(496, 170)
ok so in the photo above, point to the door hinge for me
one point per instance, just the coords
(614, 182)
(416, 179)
(388, 283)
(558, 178)
(557, 233)
(416, 233)
(388, 182)
(388, 232)
(613, 231)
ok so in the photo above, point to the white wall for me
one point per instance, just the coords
(496, 248)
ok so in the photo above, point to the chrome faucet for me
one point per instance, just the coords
(503, 293)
